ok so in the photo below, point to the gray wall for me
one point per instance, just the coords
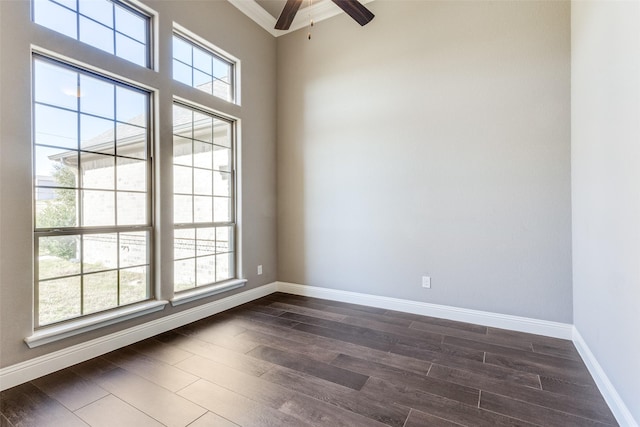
(606, 187)
(221, 24)
(435, 140)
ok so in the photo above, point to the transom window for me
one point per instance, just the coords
(108, 25)
(204, 200)
(92, 192)
(202, 68)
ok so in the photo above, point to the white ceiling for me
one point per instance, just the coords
(266, 12)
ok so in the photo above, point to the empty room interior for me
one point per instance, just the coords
(425, 215)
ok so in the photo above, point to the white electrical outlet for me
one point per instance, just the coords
(426, 282)
(260, 269)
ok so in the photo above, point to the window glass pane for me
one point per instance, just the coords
(206, 241)
(133, 285)
(222, 133)
(92, 175)
(182, 73)
(182, 152)
(57, 127)
(131, 50)
(223, 239)
(55, 17)
(96, 134)
(182, 209)
(202, 182)
(202, 61)
(131, 106)
(196, 66)
(94, 25)
(131, 141)
(96, 35)
(55, 85)
(132, 208)
(182, 121)
(202, 154)
(184, 274)
(58, 256)
(100, 252)
(58, 300)
(222, 209)
(181, 50)
(55, 167)
(98, 10)
(202, 127)
(221, 70)
(59, 211)
(98, 171)
(221, 158)
(184, 243)
(131, 24)
(132, 174)
(203, 82)
(205, 270)
(71, 4)
(222, 90)
(133, 249)
(100, 291)
(96, 97)
(222, 184)
(182, 180)
(105, 215)
(202, 209)
(224, 267)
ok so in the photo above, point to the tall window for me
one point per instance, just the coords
(204, 198)
(203, 69)
(92, 192)
(108, 25)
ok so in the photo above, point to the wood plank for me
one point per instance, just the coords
(377, 409)
(573, 372)
(363, 332)
(212, 420)
(346, 336)
(593, 408)
(454, 332)
(420, 419)
(438, 406)
(533, 413)
(315, 352)
(111, 411)
(155, 401)
(307, 365)
(163, 374)
(254, 388)
(26, 405)
(319, 413)
(236, 408)
(407, 379)
(469, 327)
(70, 389)
(223, 356)
(491, 371)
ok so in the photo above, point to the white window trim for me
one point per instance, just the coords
(49, 334)
(206, 291)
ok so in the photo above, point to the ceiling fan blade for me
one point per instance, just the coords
(356, 10)
(288, 13)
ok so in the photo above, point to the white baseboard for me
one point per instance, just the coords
(495, 320)
(611, 396)
(31, 369)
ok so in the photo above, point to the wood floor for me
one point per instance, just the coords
(287, 360)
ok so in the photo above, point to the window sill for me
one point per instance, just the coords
(207, 291)
(54, 333)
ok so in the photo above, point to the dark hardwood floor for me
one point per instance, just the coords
(286, 360)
